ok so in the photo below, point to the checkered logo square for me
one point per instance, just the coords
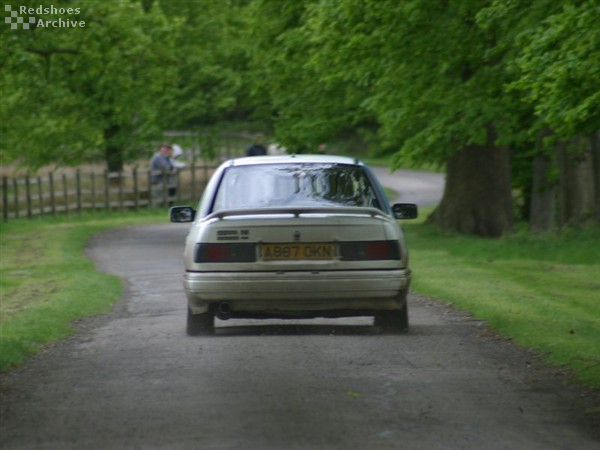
(15, 21)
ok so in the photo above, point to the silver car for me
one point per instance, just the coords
(295, 236)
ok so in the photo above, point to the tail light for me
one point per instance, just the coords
(221, 253)
(370, 250)
(349, 251)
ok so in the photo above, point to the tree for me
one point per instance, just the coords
(556, 71)
(560, 72)
(434, 81)
(210, 60)
(92, 92)
(504, 94)
(451, 83)
(307, 101)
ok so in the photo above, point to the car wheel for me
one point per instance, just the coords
(393, 321)
(200, 324)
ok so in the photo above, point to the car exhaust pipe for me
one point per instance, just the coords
(223, 309)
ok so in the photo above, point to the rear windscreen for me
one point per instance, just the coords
(292, 185)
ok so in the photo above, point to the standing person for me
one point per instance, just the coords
(177, 166)
(175, 161)
(162, 171)
(258, 148)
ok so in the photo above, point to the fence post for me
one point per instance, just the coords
(194, 196)
(134, 175)
(150, 193)
(106, 191)
(40, 196)
(93, 188)
(28, 196)
(52, 197)
(165, 188)
(120, 189)
(5, 198)
(78, 184)
(65, 193)
(16, 188)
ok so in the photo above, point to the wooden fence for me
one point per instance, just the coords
(76, 191)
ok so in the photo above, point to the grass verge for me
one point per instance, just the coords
(46, 282)
(542, 291)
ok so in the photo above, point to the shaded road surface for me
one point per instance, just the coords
(134, 380)
(413, 186)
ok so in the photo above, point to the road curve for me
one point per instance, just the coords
(133, 380)
(413, 186)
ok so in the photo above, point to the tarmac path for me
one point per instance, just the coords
(133, 380)
(413, 186)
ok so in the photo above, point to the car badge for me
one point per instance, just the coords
(296, 235)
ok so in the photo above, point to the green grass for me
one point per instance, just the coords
(542, 291)
(46, 282)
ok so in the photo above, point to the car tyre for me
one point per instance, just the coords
(200, 324)
(393, 322)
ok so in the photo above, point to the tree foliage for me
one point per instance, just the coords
(559, 68)
(421, 81)
(72, 94)
(210, 62)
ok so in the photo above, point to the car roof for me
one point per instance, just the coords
(290, 159)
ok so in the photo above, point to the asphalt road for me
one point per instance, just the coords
(422, 188)
(134, 380)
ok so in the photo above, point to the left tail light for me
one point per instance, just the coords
(222, 253)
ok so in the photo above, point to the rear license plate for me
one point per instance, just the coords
(293, 252)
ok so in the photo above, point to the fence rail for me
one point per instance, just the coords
(77, 191)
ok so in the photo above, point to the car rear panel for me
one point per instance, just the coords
(304, 243)
(297, 291)
(248, 280)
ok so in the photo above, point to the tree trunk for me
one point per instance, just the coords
(113, 153)
(576, 181)
(147, 5)
(543, 195)
(477, 197)
(595, 146)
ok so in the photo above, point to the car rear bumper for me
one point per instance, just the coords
(369, 290)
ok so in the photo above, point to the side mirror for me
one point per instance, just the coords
(182, 214)
(405, 211)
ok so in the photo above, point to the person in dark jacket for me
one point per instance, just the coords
(258, 147)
